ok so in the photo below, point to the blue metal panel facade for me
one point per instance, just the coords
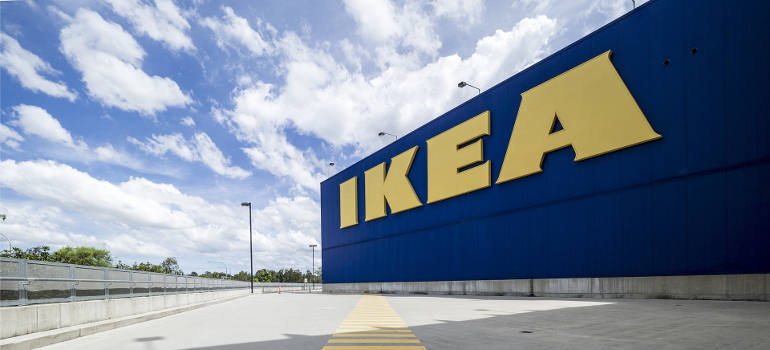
(696, 201)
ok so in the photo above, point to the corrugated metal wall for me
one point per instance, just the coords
(695, 202)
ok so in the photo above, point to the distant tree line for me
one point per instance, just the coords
(79, 255)
(90, 256)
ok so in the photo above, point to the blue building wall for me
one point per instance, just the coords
(696, 201)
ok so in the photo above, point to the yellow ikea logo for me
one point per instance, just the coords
(597, 113)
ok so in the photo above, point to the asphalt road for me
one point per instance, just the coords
(315, 321)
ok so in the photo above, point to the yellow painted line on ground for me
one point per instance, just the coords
(372, 327)
(370, 340)
(365, 324)
(374, 347)
(373, 321)
(351, 331)
(386, 335)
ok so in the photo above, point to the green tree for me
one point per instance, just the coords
(264, 276)
(289, 276)
(171, 266)
(122, 265)
(242, 276)
(217, 275)
(147, 266)
(40, 253)
(194, 274)
(83, 256)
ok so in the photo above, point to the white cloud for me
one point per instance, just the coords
(62, 185)
(273, 153)
(10, 137)
(187, 121)
(235, 32)
(31, 224)
(323, 98)
(28, 68)
(34, 120)
(110, 60)
(200, 148)
(389, 28)
(376, 19)
(579, 17)
(465, 12)
(162, 22)
(139, 218)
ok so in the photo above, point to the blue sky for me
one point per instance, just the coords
(140, 126)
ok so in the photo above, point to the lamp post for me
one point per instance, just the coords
(463, 84)
(251, 249)
(10, 246)
(312, 272)
(382, 133)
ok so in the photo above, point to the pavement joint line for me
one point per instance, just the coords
(373, 321)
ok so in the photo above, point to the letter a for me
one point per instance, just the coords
(597, 113)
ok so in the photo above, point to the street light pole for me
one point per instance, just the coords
(463, 84)
(10, 246)
(312, 272)
(251, 249)
(382, 133)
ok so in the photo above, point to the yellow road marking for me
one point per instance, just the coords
(402, 335)
(373, 347)
(352, 331)
(370, 340)
(364, 325)
(373, 321)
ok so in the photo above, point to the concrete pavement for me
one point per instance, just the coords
(309, 321)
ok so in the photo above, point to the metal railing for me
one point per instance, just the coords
(24, 282)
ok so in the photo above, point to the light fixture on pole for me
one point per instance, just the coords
(312, 272)
(382, 133)
(463, 84)
(251, 250)
(10, 246)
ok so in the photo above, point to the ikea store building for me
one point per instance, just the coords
(632, 163)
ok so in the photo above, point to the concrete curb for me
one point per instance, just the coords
(40, 339)
(753, 287)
